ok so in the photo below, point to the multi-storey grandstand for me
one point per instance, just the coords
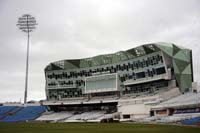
(146, 83)
(127, 82)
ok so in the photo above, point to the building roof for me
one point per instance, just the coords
(105, 59)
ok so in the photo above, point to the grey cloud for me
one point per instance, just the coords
(76, 29)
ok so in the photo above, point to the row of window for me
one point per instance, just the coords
(150, 61)
(148, 87)
(56, 94)
(63, 83)
(148, 73)
(134, 89)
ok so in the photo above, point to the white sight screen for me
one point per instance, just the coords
(101, 83)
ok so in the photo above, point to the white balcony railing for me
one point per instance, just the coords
(147, 79)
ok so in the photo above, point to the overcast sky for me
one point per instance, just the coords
(70, 29)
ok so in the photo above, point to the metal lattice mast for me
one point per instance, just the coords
(27, 24)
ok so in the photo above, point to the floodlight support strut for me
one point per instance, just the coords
(27, 65)
(27, 23)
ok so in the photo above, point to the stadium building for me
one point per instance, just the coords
(127, 82)
(149, 83)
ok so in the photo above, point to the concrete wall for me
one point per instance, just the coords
(134, 110)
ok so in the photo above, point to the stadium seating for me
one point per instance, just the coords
(55, 116)
(23, 114)
(85, 116)
(95, 115)
(61, 116)
(79, 116)
(185, 118)
(192, 121)
(187, 98)
(5, 109)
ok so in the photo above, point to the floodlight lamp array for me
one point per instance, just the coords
(27, 23)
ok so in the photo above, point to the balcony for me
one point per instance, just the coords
(57, 86)
(146, 79)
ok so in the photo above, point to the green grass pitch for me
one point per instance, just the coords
(93, 128)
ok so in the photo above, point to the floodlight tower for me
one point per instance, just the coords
(27, 24)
